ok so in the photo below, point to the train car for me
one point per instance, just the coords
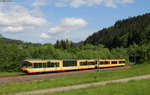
(87, 64)
(111, 63)
(39, 66)
(53, 65)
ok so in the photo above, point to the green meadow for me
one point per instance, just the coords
(138, 87)
(10, 73)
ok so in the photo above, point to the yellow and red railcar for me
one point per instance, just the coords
(53, 65)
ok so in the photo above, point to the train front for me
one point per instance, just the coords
(26, 67)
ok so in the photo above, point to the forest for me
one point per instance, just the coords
(123, 33)
(127, 39)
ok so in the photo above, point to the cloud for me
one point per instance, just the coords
(44, 35)
(107, 3)
(36, 12)
(110, 3)
(17, 19)
(38, 3)
(67, 25)
(14, 29)
(60, 5)
(77, 3)
(126, 1)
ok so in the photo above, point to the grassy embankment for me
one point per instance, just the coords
(10, 73)
(138, 87)
(141, 69)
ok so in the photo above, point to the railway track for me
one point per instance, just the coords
(25, 77)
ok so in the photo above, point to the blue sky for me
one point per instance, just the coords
(45, 21)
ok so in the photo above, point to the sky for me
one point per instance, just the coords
(45, 21)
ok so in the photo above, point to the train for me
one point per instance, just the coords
(32, 66)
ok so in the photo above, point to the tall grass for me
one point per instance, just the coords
(76, 79)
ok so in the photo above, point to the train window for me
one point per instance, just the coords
(27, 65)
(81, 63)
(102, 62)
(69, 63)
(36, 65)
(53, 64)
(121, 62)
(91, 63)
(48, 64)
(87, 63)
(40, 65)
(106, 62)
(94, 63)
(113, 62)
(56, 64)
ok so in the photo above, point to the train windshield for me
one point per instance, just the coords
(27, 65)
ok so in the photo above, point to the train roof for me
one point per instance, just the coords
(30, 60)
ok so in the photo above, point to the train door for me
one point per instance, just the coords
(82, 64)
(98, 64)
(56, 66)
(44, 66)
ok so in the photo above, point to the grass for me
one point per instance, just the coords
(141, 69)
(10, 73)
(138, 87)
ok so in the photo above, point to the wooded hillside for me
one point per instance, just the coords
(123, 33)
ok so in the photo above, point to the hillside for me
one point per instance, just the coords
(123, 33)
(4, 40)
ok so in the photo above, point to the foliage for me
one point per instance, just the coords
(141, 52)
(124, 33)
(63, 44)
(11, 57)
